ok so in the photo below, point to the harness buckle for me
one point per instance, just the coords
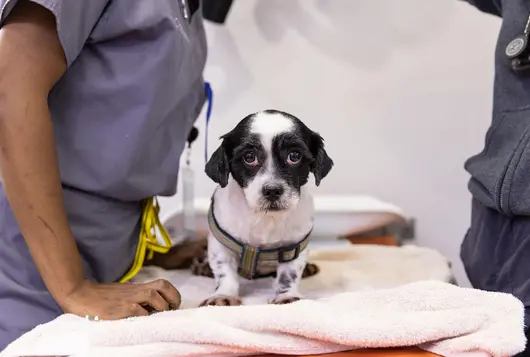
(282, 252)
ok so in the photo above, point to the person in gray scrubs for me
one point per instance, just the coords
(97, 98)
(496, 248)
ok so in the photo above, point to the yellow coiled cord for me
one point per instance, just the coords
(148, 243)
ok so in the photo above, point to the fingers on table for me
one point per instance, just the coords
(166, 292)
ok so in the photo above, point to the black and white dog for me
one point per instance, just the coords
(262, 208)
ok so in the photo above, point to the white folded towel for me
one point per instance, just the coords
(432, 315)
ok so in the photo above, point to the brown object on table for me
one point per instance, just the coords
(382, 240)
(181, 256)
(375, 352)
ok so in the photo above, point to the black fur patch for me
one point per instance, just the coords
(285, 280)
(228, 158)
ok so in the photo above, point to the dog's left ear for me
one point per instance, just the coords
(322, 163)
(218, 167)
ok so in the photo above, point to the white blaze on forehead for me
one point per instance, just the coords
(269, 125)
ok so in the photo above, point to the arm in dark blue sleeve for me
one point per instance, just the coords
(493, 7)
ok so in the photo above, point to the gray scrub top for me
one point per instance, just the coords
(121, 113)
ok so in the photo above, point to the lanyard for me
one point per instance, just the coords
(194, 133)
(209, 97)
(151, 225)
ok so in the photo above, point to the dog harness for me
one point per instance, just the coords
(250, 257)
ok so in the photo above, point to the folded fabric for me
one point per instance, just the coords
(432, 315)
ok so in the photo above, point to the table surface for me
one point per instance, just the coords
(376, 352)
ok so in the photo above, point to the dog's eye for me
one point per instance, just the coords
(294, 157)
(250, 158)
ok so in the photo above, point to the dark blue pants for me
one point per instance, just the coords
(496, 254)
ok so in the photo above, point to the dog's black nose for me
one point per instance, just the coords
(272, 192)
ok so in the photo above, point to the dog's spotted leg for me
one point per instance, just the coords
(224, 266)
(288, 279)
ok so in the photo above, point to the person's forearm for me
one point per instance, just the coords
(30, 175)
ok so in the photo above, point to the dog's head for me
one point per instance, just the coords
(270, 155)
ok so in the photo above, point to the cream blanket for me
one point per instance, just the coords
(384, 297)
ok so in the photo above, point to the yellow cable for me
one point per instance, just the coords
(148, 243)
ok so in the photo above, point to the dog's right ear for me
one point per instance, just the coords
(218, 167)
(323, 163)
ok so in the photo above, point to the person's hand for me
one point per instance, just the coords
(118, 301)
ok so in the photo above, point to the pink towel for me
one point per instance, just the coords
(435, 316)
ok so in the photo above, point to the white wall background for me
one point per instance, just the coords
(401, 91)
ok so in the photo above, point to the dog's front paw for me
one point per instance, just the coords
(282, 300)
(222, 300)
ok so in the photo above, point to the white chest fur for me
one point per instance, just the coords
(260, 229)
